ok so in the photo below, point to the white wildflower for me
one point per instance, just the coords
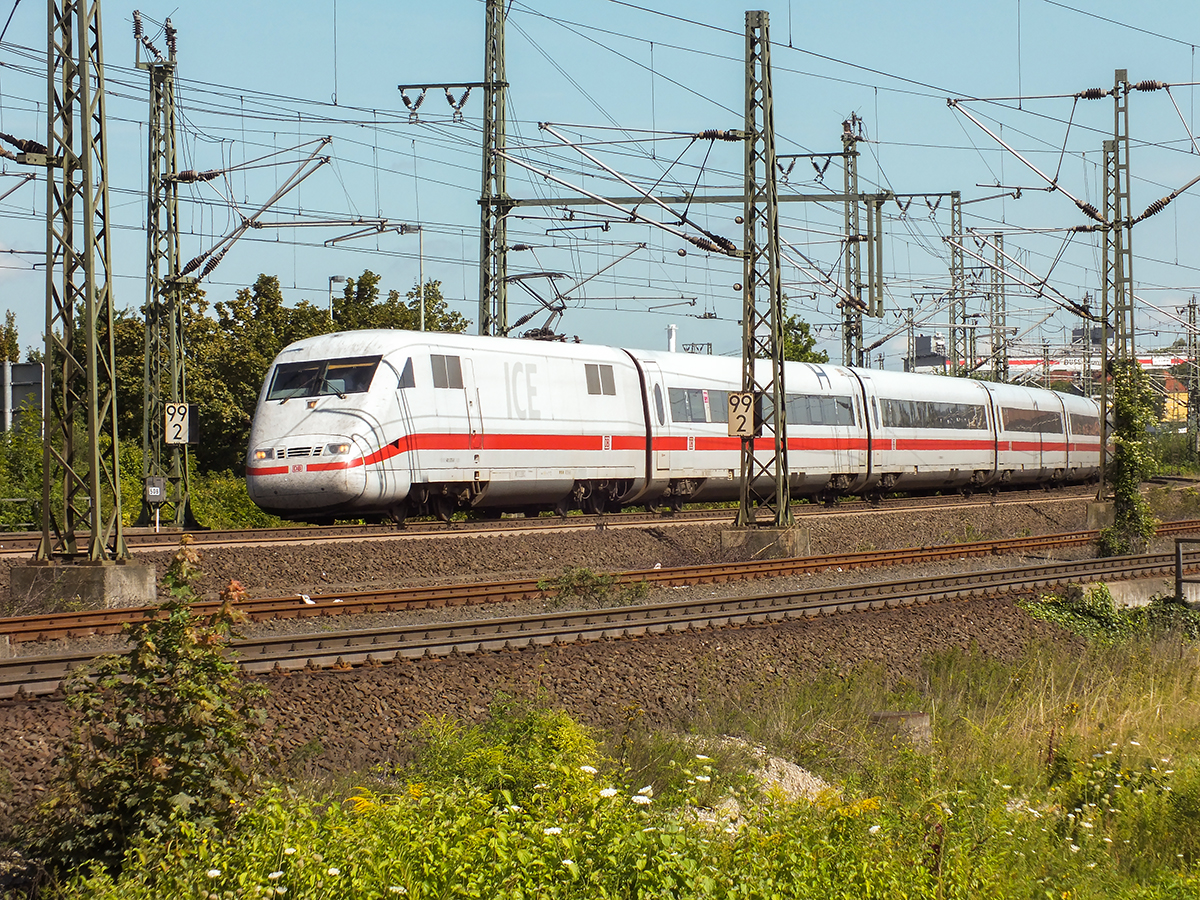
(398, 889)
(1074, 848)
(288, 851)
(275, 876)
(608, 792)
(334, 870)
(702, 757)
(703, 778)
(214, 873)
(568, 862)
(553, 829)
(590, 770)
(641, 799)
(874, 829)
(1135, 743)
(647, 791)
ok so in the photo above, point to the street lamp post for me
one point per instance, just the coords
(340, 279)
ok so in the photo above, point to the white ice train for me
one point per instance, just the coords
(384, 424)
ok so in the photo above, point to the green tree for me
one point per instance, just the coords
(10, 346)
(799, 345)
(360, 307)
(1132, 461)
(160, 735)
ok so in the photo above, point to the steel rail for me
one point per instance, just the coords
(17, 544)
(55, 626)
(32, 676)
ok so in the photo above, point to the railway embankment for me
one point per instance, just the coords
(328, 722)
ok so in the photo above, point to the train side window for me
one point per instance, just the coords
(658, 405)
(718, 406)
(599, 379)
(875, 409)
(406, 375)
(447, 371)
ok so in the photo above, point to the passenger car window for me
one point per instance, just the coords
(447, 371)
(599, 379)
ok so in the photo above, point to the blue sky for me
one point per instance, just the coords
(631, 80)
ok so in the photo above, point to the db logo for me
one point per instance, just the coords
(299, 467)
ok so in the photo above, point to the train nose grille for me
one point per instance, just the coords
(290, 452)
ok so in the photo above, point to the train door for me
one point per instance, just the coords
(473, 406)
(660, 421)
(406, 396)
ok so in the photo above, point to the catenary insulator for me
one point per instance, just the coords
(702, 243)
(137, 25)
(1149, 86)
(1091, 212)
(188, 176)
(22, 144)
(520, 247)
(717, 134)
(1156, 207)
(1092, 94)
(724, 243)
(170, 36)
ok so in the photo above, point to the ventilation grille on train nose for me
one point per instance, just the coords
(289, 452)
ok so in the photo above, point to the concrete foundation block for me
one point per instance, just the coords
(62, 587)
(768, 543)
(1100, 514)
(911, 727)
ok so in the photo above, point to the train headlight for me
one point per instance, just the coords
(337, 449)
(264, 454)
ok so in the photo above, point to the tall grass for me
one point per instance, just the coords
(1071, 773)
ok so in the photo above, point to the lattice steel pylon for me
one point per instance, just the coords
(1118, 236)
(80, 485)
(1116, 295)
(999, 313)
(957, 345)
(163, 370)
(494, 202)
(1193, 377)
(852, 306)
(764, 482)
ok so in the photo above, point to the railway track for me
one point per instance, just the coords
(34, 676)
(20, 544)
(56, 626)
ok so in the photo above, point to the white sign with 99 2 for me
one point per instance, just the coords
(178, 424)
(741, 414)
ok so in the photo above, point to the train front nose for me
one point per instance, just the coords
(306, 472)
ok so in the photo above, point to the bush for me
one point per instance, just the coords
(159, 736)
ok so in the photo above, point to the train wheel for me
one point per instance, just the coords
(562, 507)
(875, 498)
(398, 514)
(443, 507)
